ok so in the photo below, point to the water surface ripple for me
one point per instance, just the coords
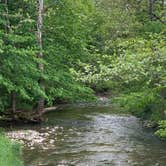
(94, 137)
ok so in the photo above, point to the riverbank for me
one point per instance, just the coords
(10, 152)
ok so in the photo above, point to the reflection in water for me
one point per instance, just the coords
(94, 137)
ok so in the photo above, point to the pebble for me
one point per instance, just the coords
(33, 138)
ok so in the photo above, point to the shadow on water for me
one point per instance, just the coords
(94, 136)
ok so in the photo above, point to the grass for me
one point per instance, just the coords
(10, 153)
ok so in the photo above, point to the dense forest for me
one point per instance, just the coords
(63, 51)
(66, 50)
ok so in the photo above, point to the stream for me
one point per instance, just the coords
(89, 136)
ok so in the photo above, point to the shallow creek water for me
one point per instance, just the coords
(89, 136)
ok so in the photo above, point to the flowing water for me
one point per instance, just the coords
(91, 136)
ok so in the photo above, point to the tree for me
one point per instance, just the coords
(18, 65)
(40, 106)
(151, 9)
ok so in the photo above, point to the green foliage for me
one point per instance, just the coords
(18, 64)
(152, 27)
(161, 132)
(66, 26)
(64, 42)
(10, 153)
(139, 73)
(146, 104)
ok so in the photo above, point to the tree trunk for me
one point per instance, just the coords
(7, 17)
(163, 3)
(151, 9)
(40, 106)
